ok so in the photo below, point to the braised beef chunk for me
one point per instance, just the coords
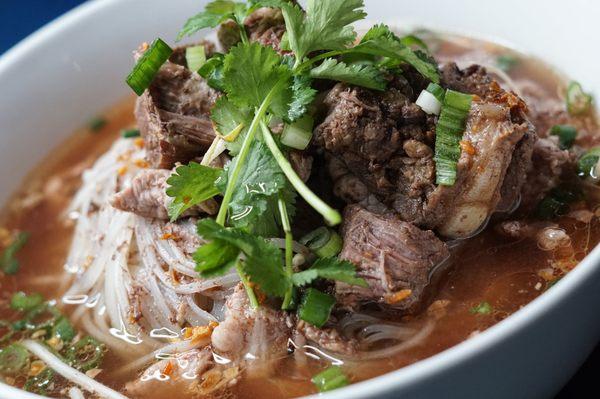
(265, 26)
(147, 197)
(386, 141)
(550, 164)
(394, 257)
(173, 116)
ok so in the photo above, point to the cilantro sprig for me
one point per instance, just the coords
(261, 262)
(190, 185)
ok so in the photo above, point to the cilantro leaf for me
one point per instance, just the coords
(302, 96)
(254, 203)
(215, 258)
(214, 13)
(360, 75)
(251, 72)
(324, 26)
(262, 261)
(227, 118)
(8, 263)
(381, 41)
(331, 269)
(212, 71)
(190, 185)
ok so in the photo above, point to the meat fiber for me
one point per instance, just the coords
(394, 257)
(147, 197)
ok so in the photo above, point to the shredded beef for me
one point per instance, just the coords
(394, 257)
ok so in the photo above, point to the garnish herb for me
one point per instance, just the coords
(262, 262)
(557, 202)
(448, 134)
(13, 359)
(195, 57)
(323, 241)
(315, 307)
(414, 42)
(212, 71)
(96, 124)
(587, 163)
(190, 185)
(57, 333)
(578, 101)
(330, 378)
(566, 135)
(259, 184)
(506, 62)
(299, 133)
(130, 133)
(482, 308)
(148, 65)
(8, 263)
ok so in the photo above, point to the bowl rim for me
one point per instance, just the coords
(386, 383)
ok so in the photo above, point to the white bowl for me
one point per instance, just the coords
(61, 76)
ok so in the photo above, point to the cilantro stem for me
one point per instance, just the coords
(249, 291)
(241, 157)
(332, 217)
(243, 34)
(287, 228)
(300, 66)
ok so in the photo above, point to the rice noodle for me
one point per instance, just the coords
(68, 372)
(75, 393)
(123, 266)
(370, 331)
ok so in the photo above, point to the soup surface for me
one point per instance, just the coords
(486, 279)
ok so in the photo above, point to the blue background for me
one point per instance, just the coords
(20, 18)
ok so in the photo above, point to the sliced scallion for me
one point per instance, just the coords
(130, 133)
(429, 103)
(63, 330)
(449, 130)
(331, 378)
(324, 242)
(299, 133)
(195, 57)
(41, 382)
(578, 101)
(148, 65)
(86, 354)
(437, 91)
(315, 307)
(566, 135)
(24, 303)
(587, 163)
(13, 359)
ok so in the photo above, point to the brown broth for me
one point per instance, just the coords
(477, 275)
